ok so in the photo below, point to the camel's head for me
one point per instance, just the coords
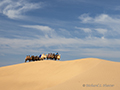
(27, 56)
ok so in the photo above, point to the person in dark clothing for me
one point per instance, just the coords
(57, 53)
(40, 56)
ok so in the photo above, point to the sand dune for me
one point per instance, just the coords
(81, 74)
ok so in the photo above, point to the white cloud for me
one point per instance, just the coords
(88, 46)
(63, 32)
(102, 19)
(85, 18)
(48, 32)
(15, 9)
(102, 31)
(4, 2)
(109, 22)
(74, 43)
(87, 30)
(102, 38)
(72, 46)
(90, 30)
(39, 27)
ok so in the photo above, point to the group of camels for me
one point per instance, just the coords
(42, 57)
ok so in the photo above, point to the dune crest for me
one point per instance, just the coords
(61, 75)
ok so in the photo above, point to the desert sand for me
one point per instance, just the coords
(80, 74)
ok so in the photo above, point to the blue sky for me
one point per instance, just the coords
(74, 28)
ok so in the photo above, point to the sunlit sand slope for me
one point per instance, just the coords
(81, 74)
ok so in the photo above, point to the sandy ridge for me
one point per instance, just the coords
(60, 75)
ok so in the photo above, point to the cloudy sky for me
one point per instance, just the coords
(74, 28)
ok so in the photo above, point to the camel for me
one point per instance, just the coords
(32, 58)
(50, 56)
(53, 56)
(43, 56)
(35, 58)
(28, 58)
(57, 57)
